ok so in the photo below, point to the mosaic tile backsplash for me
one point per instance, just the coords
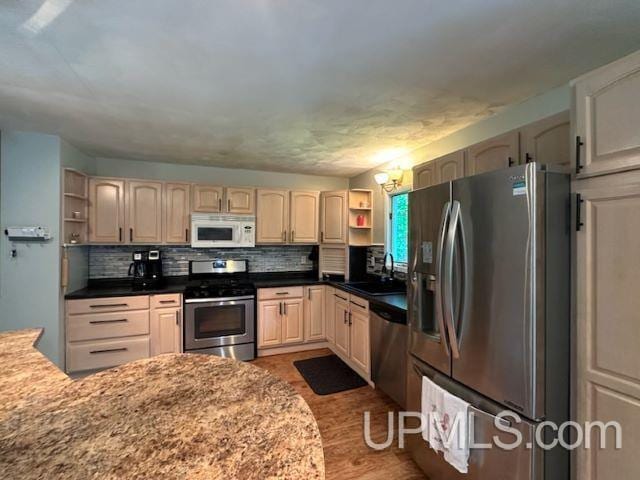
(377, 253)
(113, 261)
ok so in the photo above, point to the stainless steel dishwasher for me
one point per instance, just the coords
(389, 351)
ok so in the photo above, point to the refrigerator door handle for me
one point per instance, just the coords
(448, 279)
(440, 256)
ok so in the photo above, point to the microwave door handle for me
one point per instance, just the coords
(448, 302)
(439, 298)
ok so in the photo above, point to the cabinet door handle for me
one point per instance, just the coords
(510, 161)
(219, 204)
(280, 305)
(344, 317)
(284, 304)
(186, 235)
(120, 234)
(579, 143)
(131, 234)
(110, 305)
(527, 158)
(109, 350)
(349, 318)
(228, 205)
(292, 235)
(321, 237)
(178, 317)
(309, 293)
(284, 236)
(120, 320)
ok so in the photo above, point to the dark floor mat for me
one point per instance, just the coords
(329, 374)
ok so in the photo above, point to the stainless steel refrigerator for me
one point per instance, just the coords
(489, 312)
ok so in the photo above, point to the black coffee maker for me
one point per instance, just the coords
(146, 269)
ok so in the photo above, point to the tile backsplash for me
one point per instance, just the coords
(376, 252)
(113, 261)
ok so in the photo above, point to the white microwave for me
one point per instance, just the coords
(220, 230)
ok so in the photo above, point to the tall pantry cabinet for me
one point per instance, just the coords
(606, 163)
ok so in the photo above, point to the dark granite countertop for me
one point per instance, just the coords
(121, 287)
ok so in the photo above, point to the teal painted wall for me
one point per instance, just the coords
(30, 187)
(513, 116)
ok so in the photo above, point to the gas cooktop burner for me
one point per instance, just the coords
(218, 278)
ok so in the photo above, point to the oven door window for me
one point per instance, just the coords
(219, 321)
(215, 234)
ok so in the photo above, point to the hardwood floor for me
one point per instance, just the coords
(341, 418)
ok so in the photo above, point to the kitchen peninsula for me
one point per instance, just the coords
(171, 416)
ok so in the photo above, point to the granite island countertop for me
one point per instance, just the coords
(171, 416)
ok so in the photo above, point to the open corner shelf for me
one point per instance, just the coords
(75, 206)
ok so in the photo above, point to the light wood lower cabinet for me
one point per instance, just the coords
(292, 321)
(607, 322)
(330, 314)
(105, 332)
(314, 313)
(342, 330)
(166, 325)
(269, 323)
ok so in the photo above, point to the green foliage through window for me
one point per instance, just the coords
(399, 227)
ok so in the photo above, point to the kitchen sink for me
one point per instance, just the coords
(379, 287)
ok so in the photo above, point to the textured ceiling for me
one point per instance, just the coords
(313, 86)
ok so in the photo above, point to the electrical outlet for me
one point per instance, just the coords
(303, 260)
(372, 262)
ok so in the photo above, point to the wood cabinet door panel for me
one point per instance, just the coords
(269, 323)
(548, 141)
(493, 154)
(330, 314)
(272, 216)
(607, 326)
(424, 175)
(177, 208)
(292, 321)
(165, 331)
(359, 340)
(207, 198)
(304, 222)
(334, 214)
(314, 313)
(106, 210)
(144, 212)
(240, 200)
(341, 327)
(607, 108)
(449, 167)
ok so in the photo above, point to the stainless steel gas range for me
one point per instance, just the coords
(219, 309)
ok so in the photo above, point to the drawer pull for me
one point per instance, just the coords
(111, 305)
(358, 305)
(282, 293)
(341, 298)
(109, 350)
(167, 301)
(120, 320)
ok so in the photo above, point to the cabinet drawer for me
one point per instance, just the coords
(106, 353)
(358, 303)
(109, 304)
(107, 325)
(282, 292)
(166, 300)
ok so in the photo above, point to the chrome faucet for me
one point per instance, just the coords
(384, 266)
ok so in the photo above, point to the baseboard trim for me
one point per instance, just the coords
(303, 347)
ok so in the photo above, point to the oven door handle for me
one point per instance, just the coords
(217, 301)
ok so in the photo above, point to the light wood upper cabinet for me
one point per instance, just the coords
(292, 321)
(359, 339)
(548, 141)
(493, 154)
(207, 198)
(272, 216)
(424, 175)
(607, 324)
(106, 210)
(240, 200)
(450, 167)
(269, 323)
(165, 331)
(305, 208)
(314, 311)
(144, 212)
(334, 217)
(607, 115)
(341, 330)
(177, 208)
